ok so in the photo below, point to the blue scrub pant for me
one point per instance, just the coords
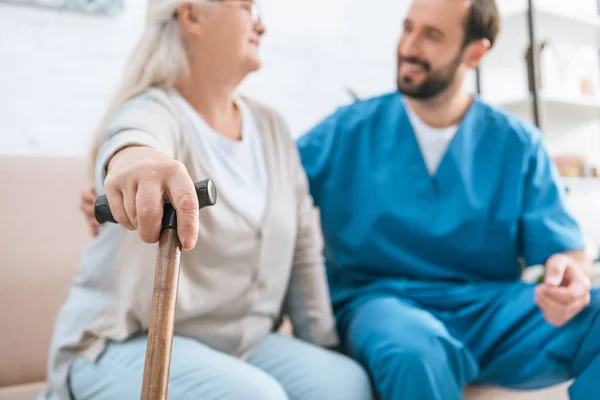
(428, 341)
(280, 368)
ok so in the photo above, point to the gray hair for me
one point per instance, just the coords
(159, 59)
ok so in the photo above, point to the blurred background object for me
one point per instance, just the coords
(61, 67)
(556, 86)
(91, 6)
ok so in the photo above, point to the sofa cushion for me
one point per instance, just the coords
(42, 234)
(557, 392)
(28, 391)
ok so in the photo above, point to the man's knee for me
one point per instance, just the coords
(428, 358)
(595, 300)
(589, 319)
(407, 350)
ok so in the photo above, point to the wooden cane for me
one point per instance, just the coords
(164, 296)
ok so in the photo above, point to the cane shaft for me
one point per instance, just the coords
(162, 317)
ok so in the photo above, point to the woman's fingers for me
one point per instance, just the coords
(183, 196)
(149, 205)
(117, 206)
(129, 199)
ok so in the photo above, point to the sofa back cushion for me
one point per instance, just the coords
(42, 233)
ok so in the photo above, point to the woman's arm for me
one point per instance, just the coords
(308, 303)
(137, 170)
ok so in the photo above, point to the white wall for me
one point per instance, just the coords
(57, 71)
(59, 68)
(308, 63)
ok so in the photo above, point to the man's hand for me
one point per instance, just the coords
(565, 290)
(86, 205)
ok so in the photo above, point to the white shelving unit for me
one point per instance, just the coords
(585, 184)
(578, 28)
(563, 114)
(585, 107)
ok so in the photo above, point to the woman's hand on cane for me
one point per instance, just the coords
(139, 180)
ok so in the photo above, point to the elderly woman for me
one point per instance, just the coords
(247, 261)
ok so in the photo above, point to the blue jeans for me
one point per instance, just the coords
(280, 368)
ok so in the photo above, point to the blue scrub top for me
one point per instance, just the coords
(495, 198)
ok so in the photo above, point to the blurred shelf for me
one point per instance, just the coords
(555, 26)
(555, 106)
(582, 28)
(582, 183)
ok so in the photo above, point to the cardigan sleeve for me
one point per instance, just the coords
(145, 120)
(307, 302)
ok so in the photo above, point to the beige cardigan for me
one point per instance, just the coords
(237, 281)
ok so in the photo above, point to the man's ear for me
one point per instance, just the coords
(190, 19)
(476, 51)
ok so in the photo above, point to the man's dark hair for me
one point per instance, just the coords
(483, 22)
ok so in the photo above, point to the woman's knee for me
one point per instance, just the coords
(343, 378)
(307, 371)
(260, 386)
(88, 380)
(354, 381)
(268, 389)
(197, 372)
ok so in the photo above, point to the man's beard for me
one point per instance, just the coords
(435, 82)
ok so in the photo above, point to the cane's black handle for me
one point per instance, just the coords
(207, 196)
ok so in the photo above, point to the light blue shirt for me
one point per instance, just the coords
(495, 198)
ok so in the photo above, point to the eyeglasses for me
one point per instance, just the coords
(251, 5)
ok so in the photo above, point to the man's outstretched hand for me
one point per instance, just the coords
(565, 290)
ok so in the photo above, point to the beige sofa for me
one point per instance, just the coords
(41, 236)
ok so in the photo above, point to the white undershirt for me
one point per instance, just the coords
(237, 167)
(432, 141)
